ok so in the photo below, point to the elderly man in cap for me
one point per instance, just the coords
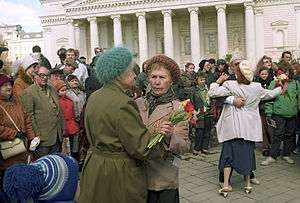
(56, 74)
(25, 76)
(42, 105)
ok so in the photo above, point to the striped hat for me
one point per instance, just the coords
(49, 179)
(58, 84)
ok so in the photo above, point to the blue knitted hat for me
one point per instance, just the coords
(49, 179)
(112, 63)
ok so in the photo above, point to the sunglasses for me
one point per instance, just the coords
(237, 63)
(267, 61)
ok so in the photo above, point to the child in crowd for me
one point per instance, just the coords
(67, 108)
(203, 126)
(267, 130)
(78, 98)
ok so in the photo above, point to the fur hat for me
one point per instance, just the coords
(112, 63)
(27, 61)
(56, 71)
(59, 84)
(72, 62)
(247, 70)
(170, 64)
(51, 178)
(4, 79)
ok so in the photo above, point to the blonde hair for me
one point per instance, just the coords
(260, 64)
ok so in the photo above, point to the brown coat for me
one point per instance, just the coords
(113, 170)
(160, 173)
(8, 132)
(46, 120)
(22, 82)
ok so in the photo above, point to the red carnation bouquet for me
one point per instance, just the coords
(176, 117)
(281, 78)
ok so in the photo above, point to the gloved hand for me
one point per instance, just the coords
(21, 135)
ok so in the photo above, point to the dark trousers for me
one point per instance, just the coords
(163, 196)
(202, 136)
(221, 176)
(47, 150)
(283, 132)
(267, 134)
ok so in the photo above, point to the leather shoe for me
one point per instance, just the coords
(254, 181)
(222, 185)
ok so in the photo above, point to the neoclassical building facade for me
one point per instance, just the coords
(185, 30)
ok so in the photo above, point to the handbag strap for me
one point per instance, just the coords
(10, 118)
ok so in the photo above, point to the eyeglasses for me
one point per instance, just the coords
(237, 63)
(42, 75)
(267, 61)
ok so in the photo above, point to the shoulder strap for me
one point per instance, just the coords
(10, 118)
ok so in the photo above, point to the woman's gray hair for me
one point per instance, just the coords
(235, 57)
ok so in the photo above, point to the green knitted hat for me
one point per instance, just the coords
(112, 63)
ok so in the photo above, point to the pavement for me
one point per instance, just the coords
(198, 180)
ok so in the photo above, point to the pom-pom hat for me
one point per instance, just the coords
(113, 63)
(169, 63)
(52, 178)
(247, 70)
(59, 84)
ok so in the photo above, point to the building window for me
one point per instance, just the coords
(279, 38)
(212, 43)
(187, 45)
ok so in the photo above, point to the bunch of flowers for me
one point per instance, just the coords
(281, 78)
(176, 117)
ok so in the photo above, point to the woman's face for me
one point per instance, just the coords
(267, 63)
(160, 81)
(221, 67)
(30, 71)
(264, 74)
(6, 89)
(191, 69)
(74, 83)
(127, 79)
(206, 67)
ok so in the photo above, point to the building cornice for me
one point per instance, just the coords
(262, 3)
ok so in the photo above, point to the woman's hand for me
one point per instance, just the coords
(167, 129)
(182, 131)
(284, 88)
(222, 78)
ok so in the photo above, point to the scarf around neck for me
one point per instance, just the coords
(155, 101)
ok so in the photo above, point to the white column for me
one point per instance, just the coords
(259, 33)
(222, 31)
(250, 33)
(93, 33)
(195, 35)
(47, 45)
(71, 33)
(82, 39)
(117, 30)
(77, 36)
(297, 10)
(104, 42)
(143, 42)
(168, 33)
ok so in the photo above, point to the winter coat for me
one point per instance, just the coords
(91, 85)
(114, 170)
(8, 131)
(188, 79)
(161, 174)
(241, 122)
(46, 120)
(283, 106)
(22, 82)
(67, 109)
(78, 98)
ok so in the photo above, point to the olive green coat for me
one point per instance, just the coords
(113, 170)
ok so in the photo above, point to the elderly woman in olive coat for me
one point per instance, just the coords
(114, 169)
(157, 105)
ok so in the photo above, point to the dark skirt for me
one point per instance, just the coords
(239, 155)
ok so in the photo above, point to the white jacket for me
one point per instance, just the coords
(241, 122)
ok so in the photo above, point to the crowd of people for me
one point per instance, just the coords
(104, 114)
